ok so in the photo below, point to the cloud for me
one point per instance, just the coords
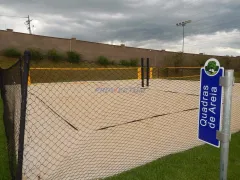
(140, 23)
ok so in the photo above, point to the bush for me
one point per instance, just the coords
(73, 57)
(12, 52)
(103, 60)
(134, 62)
(125, 63)
(54, 55)
(36, 54)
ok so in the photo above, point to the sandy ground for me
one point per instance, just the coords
(77, 131)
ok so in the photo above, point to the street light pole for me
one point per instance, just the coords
(183, 24)
(183, 40)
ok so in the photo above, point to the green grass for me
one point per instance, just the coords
(65, 64)
(237, 77)
(6, 62)
(47, 76)
(4, 166)
(200, 163)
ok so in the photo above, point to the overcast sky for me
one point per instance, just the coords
(215, 27)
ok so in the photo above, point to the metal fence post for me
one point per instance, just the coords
(225, 134)
(148, 71)
(142, 71)
(24, 85)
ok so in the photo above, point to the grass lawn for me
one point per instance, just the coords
(47, 76)
(6, 62)
(200, 163)
(4, 168)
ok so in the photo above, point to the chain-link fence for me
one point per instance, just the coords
(11, 96)
(95, 122)
(13, 86)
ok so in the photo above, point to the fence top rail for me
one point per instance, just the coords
(180, 77)
(113, 68)
(77, 69)
(180, 67)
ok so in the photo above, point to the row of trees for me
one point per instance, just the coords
(38, 55)
(177, 60)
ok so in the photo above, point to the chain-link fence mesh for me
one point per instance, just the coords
(94, 122)
(10, 85)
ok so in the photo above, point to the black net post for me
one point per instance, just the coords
(24, 85)
(142, 71)
(148, 71)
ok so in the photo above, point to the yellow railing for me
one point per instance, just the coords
(79, 69)
(139, 74)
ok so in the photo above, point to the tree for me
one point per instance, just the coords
(212, 67)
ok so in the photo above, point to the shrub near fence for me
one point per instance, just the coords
(132, 62)
(36, 54)
(12, 52)
(103, 61)
(54, 55)
(73, 57)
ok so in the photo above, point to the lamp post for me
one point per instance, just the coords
(183, 24)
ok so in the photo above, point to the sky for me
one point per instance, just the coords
(214, 27)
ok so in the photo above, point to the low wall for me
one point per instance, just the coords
(91, 50)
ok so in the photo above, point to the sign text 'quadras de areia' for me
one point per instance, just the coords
(210, 103)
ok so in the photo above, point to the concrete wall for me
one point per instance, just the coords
(22, 41)
(91, 50)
